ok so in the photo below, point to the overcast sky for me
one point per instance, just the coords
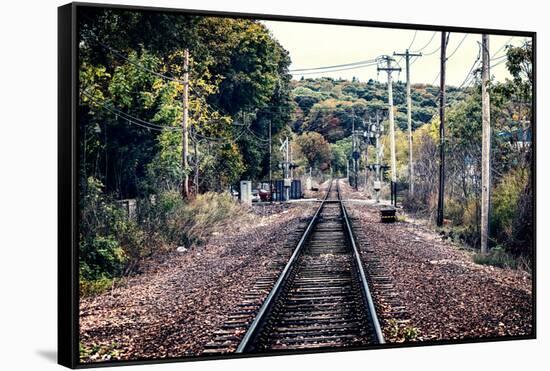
(314, 45)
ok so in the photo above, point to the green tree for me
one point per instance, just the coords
(315, 149)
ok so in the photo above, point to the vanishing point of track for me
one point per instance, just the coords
(322, 298)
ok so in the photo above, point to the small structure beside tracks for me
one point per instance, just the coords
(388, 215)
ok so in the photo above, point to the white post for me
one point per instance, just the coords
(485, 145)
(392, 127)
(246, 192)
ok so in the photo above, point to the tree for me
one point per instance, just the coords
(341, 152)
(315, 149)
(237, 67)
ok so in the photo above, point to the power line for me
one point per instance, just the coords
(119, 54)
(435, 78)
(498, 63)
(397, 61)
(499, 57)
(459, 44)
(265, 140)
(414, 59)
(432, 52)
(414, 38)
(427, 44)
(472, 68)
(146, 69)
(139, 65)
(336, 70)
(122, 56)
(502, 47)
(131, 119)
(151, 126)
(333, 66)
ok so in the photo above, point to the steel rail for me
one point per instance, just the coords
(375, 323)
(255, 328)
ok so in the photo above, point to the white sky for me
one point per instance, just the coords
(314, 45)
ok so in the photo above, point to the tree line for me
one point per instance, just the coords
(130, 111)
(327, 109)
(131, 65)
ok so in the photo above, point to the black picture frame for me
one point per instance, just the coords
(68, 162)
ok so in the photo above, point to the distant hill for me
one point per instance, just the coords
(331, 107)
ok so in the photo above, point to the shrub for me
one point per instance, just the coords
(197, 220)
(511, 212)
(100, 252)
(497, 257)
(101, 255)
(454, 210)
(95, 286)
(112, 245)
(415, 203)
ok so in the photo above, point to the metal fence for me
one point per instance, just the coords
(294, 193)
(399, 191)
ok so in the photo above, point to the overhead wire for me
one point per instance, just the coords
(427, 44)
(124, 57)
(155, 73)
(458, 46)
(333, 66)
(502, 47)
(414, 38)
(134, 120)
(302, 71)
(336, 70)
(472, 68)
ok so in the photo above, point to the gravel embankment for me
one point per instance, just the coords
(446, 294)
(172, 308)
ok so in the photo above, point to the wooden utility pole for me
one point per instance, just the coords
(184, 125)
(197, 163)
(389, 69)
(366, 163)
(353, 152)
(408, 56)
(287, 167)
(440, 200)
(287, 182)
(378, 133)
(270, 171)
(290, 162)
(485, 143)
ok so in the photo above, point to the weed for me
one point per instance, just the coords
(497, 257)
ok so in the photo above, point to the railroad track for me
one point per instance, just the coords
(322, 298)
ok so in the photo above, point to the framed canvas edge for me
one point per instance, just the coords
(67, 192)
(68, 294)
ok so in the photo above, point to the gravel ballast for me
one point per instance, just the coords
(446, 294)
(173, 307)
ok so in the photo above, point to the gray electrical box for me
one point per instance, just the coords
(246, 192)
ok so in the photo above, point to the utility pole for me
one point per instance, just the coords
(270, 171)
(290, 162)
(408, 56)
(366, 162)
(197, 163)
(440, 200)
(184, 124)
(353, 153)
(389, 69)
(376, 131)
(485, 143)
(286, 165)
